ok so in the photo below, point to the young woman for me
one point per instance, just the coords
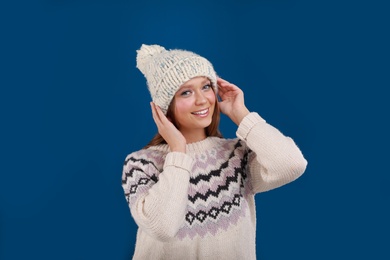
(190, 191)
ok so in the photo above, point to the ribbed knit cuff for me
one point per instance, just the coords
(180, 160)
(247, 124)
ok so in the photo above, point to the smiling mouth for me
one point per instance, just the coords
(203, 112)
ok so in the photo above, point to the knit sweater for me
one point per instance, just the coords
(200, 204)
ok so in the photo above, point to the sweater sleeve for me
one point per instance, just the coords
(157, 200)
(275, 159)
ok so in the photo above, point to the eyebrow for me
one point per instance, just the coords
(205, 80)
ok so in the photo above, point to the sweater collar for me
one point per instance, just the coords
(196, 147)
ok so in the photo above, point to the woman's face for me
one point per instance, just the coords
(194, 104)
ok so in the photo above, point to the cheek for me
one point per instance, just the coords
(182, 105)
(211, 97)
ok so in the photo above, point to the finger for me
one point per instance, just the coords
(221, 80)
(155, 115)
(228, 91)
(221, 90)
(226, 87)
(161, 116)
(224, 83)
(224, 90)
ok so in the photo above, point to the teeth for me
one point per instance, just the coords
(201, 112)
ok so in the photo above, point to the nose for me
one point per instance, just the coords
(200, 98)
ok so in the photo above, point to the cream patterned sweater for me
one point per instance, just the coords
(200, 205)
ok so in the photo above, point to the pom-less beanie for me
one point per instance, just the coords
(166, 70)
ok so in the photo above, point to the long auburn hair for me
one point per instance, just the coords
(211, 130)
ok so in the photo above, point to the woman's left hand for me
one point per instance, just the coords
(232, 103)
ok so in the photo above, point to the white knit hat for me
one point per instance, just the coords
(165, 71)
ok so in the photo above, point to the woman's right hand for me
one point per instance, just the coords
(173, 137)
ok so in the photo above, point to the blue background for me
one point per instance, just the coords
(73, 105)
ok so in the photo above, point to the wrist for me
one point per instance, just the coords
(239, 115)
(181, 149)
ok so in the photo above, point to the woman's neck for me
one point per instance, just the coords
(193, 135)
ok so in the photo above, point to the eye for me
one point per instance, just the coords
(185, 93)
(207, 87)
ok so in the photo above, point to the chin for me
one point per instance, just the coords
(206, 124)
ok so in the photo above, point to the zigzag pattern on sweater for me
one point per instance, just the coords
(218, 199)
(130, 173)
(139, 178)
(217, 191)
(217, 173)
